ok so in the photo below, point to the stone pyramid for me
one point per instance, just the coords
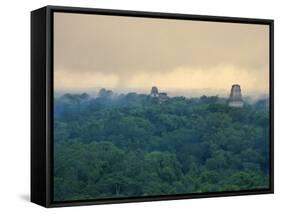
(235, 98)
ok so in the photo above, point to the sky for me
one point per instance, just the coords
(180, 57)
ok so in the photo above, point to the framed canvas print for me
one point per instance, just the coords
(133, 106)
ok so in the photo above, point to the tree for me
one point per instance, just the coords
(130, 146)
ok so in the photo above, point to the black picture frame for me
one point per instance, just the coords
(42, 103)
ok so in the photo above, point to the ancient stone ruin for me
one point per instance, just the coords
(235, 98)
(154, 92)
(161, 96)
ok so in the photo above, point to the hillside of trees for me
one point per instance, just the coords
(131, 146)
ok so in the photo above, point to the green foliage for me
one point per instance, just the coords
(132, 145)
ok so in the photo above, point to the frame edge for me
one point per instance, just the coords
(38, 107)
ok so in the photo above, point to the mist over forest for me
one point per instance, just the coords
(248, 96)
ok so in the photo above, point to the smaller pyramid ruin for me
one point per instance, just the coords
(158, 96)
(154, 92)
(235, 98)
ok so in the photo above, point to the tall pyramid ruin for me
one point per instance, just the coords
(235, 98)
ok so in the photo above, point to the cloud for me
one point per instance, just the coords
(114, 51)
(217, 80)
